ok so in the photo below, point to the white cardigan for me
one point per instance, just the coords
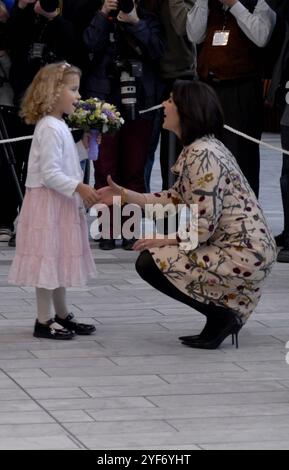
(54, 159)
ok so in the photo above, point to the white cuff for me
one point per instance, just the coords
(238, 10)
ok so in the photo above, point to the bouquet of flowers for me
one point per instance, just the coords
(96, 117)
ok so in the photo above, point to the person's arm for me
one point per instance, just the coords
(197, 21)
(51, 155)
(96, 35)
(179, 10)
(147, 32)
(259, 25)
(105, 195)
(51, 169)
(21, 25)
(23, 3)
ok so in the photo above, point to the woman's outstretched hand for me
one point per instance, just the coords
(147, 243)
(105, 195)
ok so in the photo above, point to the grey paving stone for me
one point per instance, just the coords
(94, 351)
(190, 389)
(153, 369)
(117, 427)
(234, 429)
(30, 430)
(254, 376)
(222, 399)
(71, 416)
(64, 363)
(86, 381)
(192, 411)
(15, 354)
(56, 442)
(22, 417)
(28, 373)
(138, 440)
(8, 394)
(56, 392)
(258, 445)
(92, 403)
(7, 384)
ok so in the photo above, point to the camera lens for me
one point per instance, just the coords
(128, 95)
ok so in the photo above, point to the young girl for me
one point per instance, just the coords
(52, 250)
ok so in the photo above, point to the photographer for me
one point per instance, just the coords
(39, 35)
(125, 43)
(36, 35)
(80, 13)
(232, 35)
(11, 124)
(277, 94)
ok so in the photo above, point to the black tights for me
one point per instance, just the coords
(149, 272)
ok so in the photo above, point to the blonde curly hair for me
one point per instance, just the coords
(44, 92)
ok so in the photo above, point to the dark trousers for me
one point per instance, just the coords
(284, 180)
(149, 272)
(242, 103)
(170, 147)
(123, 156)
(9, 198)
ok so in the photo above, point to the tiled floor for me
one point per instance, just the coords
(133, 385)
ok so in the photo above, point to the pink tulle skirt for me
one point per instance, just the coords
(52, 247)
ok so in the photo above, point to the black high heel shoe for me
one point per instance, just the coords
(232, 327)
(202, 335)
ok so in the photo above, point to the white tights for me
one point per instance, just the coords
(44, 299)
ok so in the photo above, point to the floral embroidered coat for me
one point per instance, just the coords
(236, 249)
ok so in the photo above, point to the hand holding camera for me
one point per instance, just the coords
(123, 10)
(131, 18)
(108, 6)
(23, 3)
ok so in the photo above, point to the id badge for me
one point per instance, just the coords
(221, 38)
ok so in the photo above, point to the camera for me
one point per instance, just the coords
(36, 51)
(128, 71)
(126, 5)
(123, 5)
(39, 51)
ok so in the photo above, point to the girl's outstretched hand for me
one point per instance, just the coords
(87, 193)
(105, 195)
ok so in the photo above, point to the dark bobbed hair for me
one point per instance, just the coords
(199, 109)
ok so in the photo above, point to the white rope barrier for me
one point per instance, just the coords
(256, 141)
(159, 106)
(16, 139)
(234, 131)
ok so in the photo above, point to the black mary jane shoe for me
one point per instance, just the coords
(46, 330)
(77, 328)
(232, 327)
